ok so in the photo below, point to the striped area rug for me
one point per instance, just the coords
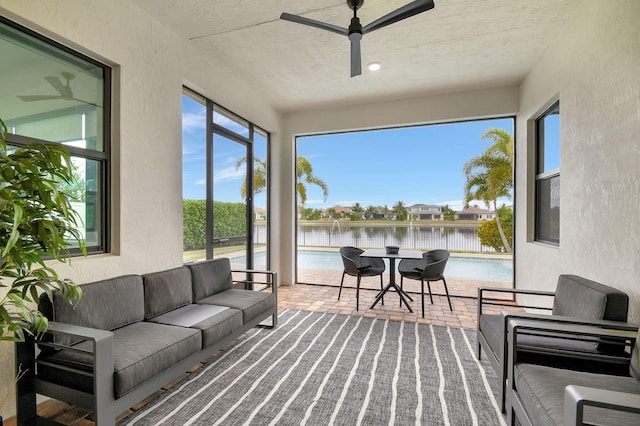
(326, 369)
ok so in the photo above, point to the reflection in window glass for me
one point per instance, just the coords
(60, 96)
(230, 121)
(547, 220)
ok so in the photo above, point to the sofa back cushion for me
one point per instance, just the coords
(165, 291)
(210, 277)
(579, 297)
(106, 305)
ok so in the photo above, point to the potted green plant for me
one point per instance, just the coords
(38, 227)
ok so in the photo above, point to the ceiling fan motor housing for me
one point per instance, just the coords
(355, 26)
(355, 4)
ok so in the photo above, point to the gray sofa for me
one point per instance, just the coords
(544, 395)
(132, 334)
(576, 300)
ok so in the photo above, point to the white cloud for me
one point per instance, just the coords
(191, 122)
(228, 173)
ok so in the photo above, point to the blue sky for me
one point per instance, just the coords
(414, 165)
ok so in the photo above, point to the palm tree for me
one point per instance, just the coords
(304, 169)
(489, 176)
(399, 210)
(370, 212)
(357, 210)
(259, 176)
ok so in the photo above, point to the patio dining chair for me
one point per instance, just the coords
(359, 267)
(429, 268)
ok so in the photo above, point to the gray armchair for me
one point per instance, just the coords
(576, 300)
(544, 395)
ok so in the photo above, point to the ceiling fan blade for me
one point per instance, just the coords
(404, 12)
(85, 102)
(57, 84)
(31, 98)
(313, 23)
(356, 62)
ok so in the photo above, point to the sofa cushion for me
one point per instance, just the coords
(166, 290)
(541, 391)
(253, 304)
(125, 296)
(215, 322)
(219, 326)
(210, 277)
(579, 297)
(140, 351)
(187, 316)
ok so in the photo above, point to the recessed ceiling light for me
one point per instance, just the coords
(374, 66)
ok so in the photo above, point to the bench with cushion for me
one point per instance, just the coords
(576, 300)
(132, 334)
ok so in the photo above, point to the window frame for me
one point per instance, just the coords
(542, 176)
(102, 157)
(215, 128)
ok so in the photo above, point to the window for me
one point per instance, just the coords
(49, 93)
(547, 225)
(225, 184)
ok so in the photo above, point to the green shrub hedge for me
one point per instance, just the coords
(230, 220)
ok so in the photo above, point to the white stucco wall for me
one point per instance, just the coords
(593, 68)
(150, 67)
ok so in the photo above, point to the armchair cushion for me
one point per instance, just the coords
(541, 391)
(532, 348)
(491, 326)
(580, 297)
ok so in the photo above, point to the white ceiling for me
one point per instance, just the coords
(458, 45)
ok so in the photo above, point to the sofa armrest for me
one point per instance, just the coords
(483, 300)
(270, 278)
(546, 325)
(560, 319)
(577, 397)
(87, 333)
(623, 333)
(102, 341)
(103, 367)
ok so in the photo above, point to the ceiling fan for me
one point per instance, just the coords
(64, 90)
(356, 30)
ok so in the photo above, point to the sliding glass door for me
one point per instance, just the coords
(225, 171)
